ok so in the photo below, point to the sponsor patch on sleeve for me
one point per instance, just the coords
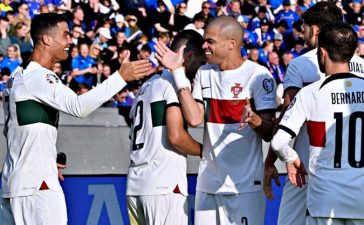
(267, 99)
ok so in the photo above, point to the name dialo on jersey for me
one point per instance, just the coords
(347, 97)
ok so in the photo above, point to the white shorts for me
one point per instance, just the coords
(242, 209)
(169, 209)
(45, 207)
(293, 205)
(332, 221)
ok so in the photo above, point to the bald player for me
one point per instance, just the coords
(235, 98)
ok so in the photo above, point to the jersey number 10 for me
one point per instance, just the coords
(351, 142)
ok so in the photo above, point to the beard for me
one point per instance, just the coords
(320, 60)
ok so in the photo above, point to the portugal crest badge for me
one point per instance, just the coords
(236, 90)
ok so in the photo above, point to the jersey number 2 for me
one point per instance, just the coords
(138, 110)
(352, 139)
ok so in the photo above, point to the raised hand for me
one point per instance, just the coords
(135, 70)
(296, 173)
(168, 58)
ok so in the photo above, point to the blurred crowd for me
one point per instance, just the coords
(103, 30)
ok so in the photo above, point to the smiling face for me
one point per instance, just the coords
(61, 41)
(215, 46)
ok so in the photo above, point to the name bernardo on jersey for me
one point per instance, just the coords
(347, 97)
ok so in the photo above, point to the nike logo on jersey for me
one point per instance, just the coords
(204, 88)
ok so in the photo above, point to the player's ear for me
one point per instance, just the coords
(315, 30)
(46, 39)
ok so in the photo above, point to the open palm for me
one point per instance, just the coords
(168, 58)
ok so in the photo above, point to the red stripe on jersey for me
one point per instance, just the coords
(225, 111)
(317, 133)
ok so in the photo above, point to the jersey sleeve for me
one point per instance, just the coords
(264, 91)
(197, 88)
(48, 89)
(293, 77)
(170, 95)
(289, 127)
(75, 63)
(296, 114)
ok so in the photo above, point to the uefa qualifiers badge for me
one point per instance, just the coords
(268, 85)
(52, 79)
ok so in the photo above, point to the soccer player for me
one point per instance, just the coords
(157, 181)
(333, 109)
(302, 71)
(33, 98)
(237, 99)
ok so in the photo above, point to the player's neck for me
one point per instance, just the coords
(231, 63)
(41, 57)
(334, 68)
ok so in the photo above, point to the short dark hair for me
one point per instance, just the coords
(339, 40)
(44, 23)
(321, 14)
(191, 39)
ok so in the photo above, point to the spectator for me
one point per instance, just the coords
(135, 31)
(255, 22)
(161, 19)
(263, 33)
(234, 8)
(5, 7)
(115, 63)
(299, 48)
(278, 45)
(180, 19)
(249, 39)
(286, 58)
(22, 14)
(198, 23)
(4, 35)
(288, 15)
(221, 8)
(254, 55)
(84, 68)
(21, 37)
(12, 59)
(120, 25)
(360, 50)
(205, 12)
(82, 88)
(275, 68)
(354, 12)
(267, 47)
(5, 74)
(269, 14)
(77, 19)
(78, 36)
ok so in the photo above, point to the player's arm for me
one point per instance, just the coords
(193, 111)
(60, 97)
(294, 80)
(177, 135)
(287, 130)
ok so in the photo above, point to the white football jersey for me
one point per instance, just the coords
(156, 168)
(33, 98)
(333, 109)
(232, 159)
(302, 71)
